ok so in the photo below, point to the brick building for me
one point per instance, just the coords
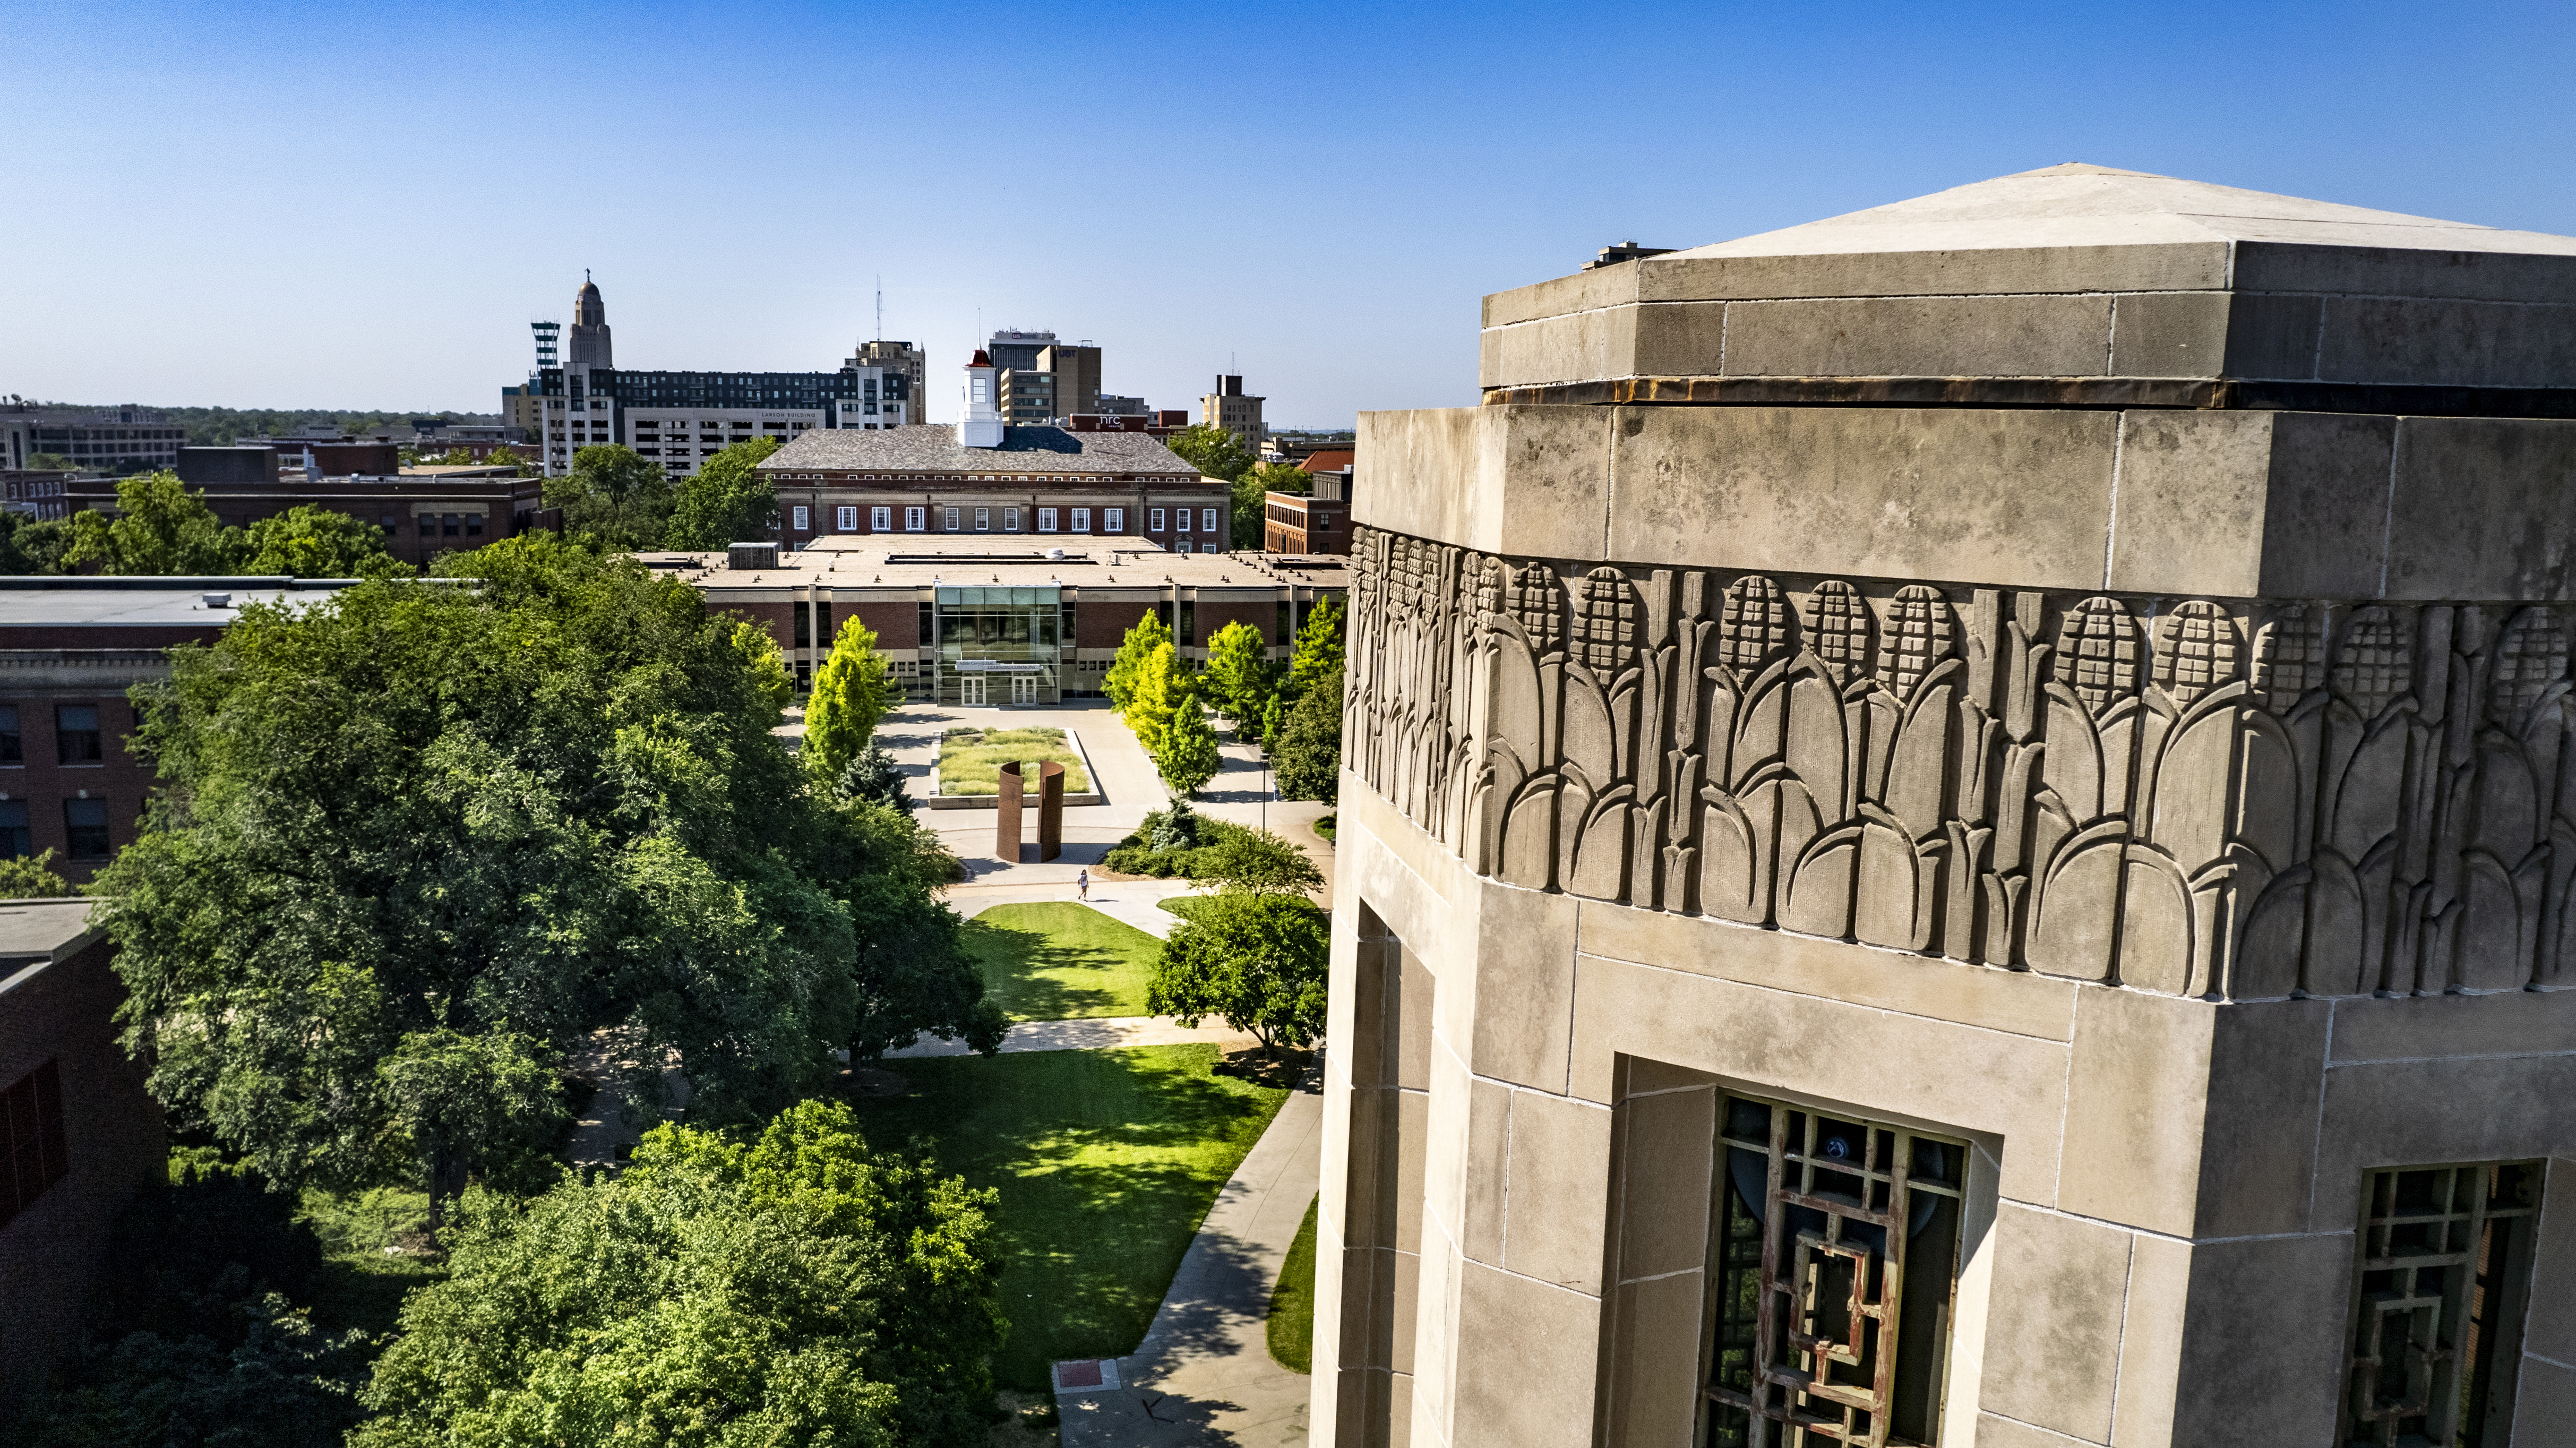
(424, 510)
(1103, 488)
(992, 621)
(78, 1135)
(1317, 520)
(70, 649)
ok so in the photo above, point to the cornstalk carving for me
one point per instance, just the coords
(2223, 798)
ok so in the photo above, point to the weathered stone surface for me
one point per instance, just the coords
(2053, 1336)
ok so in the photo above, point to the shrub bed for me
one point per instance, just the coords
(1188, 845)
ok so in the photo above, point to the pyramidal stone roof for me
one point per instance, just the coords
(2084, 205)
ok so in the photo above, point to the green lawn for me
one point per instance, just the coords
(1292, 1302)
(1106, 1161)
(971, 760)
(1185, 906)
(1056, 960)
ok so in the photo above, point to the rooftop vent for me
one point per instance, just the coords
(217, 600)
(752, 555)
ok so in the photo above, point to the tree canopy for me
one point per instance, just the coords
(1119, 682)
(163, 528)
(1212, 450)
(613, 498)
(1258, 961)
(31, 877)
(726, 501)
(851, 693)
(1161, 687)
(1238, 672)
(795, 1288)
(1309, 757)
(1318, 652)
(1188, 757)
(1259, 862)
(1251, 506)
(460, 827)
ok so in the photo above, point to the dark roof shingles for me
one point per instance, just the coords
(933, 448)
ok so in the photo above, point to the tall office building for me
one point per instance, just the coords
(679, 419)
(1229, 408)
(1041, 379)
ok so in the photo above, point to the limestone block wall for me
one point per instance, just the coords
(2106, 791)
(2159, 1248)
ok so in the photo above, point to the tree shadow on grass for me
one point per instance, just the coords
(1107, 1161)
(1036, 975)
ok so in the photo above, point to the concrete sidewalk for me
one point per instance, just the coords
(1203, 1374)
(1091, 1033)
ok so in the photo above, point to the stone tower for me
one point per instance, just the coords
(1959, 828)
(589, 339)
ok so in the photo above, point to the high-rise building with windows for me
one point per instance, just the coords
(1042, 379)
(1227, 407)
(588, 401)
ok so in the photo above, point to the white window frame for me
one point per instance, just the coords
(1207, 520)
(1182, 547)
(1113, 520)
(916, 520)
(845, 519)
(1181, 522)
(983, 520)
(1046, 520)
(1153, 520)
(952, 520)
(1010, 520)
(1081, 520)
(880, 520)
(801, 517)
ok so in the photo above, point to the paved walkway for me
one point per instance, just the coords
(1204, 1374)
(1091, 1033)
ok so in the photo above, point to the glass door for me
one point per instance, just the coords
(970, 690)
(1024, 688)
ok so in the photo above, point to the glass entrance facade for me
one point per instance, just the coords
(999, 645)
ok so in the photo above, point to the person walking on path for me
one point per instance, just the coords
(1082, 885)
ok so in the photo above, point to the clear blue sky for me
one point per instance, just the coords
(308, 205)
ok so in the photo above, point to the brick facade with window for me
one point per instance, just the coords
(78, 1135)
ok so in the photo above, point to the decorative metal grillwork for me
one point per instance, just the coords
(2438, 1303)
(1834, 1262)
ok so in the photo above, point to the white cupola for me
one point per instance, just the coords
(982, 426)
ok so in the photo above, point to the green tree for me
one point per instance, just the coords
(310, 542)
(1274, 717)
(1318, 652)
(466, 1103)
(727, 501)
(796, 1288)
(1252, 506)
(1162, 686)
(1309, 761)
(1258, 961)
(161, 528)
(1189, 757)
(1259, 862)
(851, 692)
(51, 463)
(31, 877)
(873, 776)
(1119, 683)
(613, 498)
(1212, 450)
(1238, 673)
(29, 547)
(542, 807)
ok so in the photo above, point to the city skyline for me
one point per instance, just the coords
(316, 206)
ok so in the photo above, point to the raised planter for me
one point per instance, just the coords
(1072, 741)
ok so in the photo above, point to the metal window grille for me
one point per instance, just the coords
(2438, 1299)
(1834, 1258)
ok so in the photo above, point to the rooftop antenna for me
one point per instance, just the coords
(880, 307)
